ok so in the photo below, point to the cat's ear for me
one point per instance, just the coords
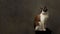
(45, 9)
(41, 8)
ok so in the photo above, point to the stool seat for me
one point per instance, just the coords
(43, 32)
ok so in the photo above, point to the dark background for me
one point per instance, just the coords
(17, 16)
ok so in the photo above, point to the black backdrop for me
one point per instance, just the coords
(16, 16)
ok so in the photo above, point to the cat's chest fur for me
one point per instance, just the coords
(43, 17)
